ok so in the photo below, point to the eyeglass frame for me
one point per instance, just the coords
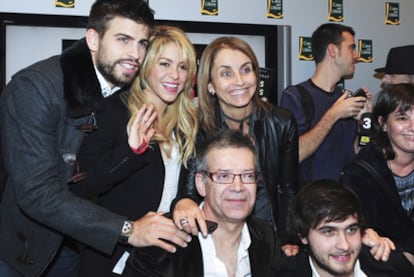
(211, 174)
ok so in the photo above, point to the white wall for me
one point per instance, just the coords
(366, 17)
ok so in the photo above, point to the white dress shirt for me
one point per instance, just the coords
(214, 267)
(172, 173)
(106, 90)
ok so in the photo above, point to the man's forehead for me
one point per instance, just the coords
(230, 156)
(350, 220)
(128, 26)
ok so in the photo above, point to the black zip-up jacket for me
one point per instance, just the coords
(382, 209)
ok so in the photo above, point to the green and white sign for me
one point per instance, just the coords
(336, 11)
(209, 7)
(275, 9)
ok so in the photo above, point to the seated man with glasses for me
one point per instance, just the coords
(241, 245)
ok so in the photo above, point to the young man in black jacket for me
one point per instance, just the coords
(328, 219)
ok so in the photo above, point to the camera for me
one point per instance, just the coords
(358, 92)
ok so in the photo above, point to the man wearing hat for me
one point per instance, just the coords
(399, 68)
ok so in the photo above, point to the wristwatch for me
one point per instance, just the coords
(126, 231)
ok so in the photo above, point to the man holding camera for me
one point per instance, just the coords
(325, 114)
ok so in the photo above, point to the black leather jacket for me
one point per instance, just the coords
(276, 137)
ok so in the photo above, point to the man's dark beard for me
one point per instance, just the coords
(107, 72)
(328, 269)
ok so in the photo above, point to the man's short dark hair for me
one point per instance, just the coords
(326, 34)
(103, 11)
(218, 140)
(323, 200)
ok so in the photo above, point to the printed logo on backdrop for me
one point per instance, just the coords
(365, 51)
(267, 76)
(392, 13)
(65, 3)
(305, 49)
(275, 9)
(209, 7)
(336, 11)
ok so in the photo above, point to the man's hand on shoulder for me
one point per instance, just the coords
(290, 249)
(154, 229)
(380, 246)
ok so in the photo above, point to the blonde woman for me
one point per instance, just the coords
(144, 140)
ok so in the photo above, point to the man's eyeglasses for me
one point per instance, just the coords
(228, 178)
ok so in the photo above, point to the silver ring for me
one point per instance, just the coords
(144, 121)
(183, 221)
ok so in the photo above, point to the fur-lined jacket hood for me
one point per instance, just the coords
(81, 86)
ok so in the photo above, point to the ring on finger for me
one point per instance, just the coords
(183, 221)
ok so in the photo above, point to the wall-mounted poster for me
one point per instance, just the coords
(392, 13)
(65, 3)
(305, 49)
(365, 51)
(275, 9)
(209, 7)
(267, 76)
(336, 11)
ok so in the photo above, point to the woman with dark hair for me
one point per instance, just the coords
(382, 173)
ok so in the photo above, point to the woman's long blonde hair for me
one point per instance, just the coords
(181, 115)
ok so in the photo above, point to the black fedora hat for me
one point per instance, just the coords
(400, 60)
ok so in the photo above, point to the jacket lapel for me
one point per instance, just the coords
(259, 252)
(388, 181)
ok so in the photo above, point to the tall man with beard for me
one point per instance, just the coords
(45, 111)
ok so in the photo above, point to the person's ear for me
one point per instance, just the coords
(332, 50)
(92, 39)
(382, 122)
(211, 89)
(200, 182)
